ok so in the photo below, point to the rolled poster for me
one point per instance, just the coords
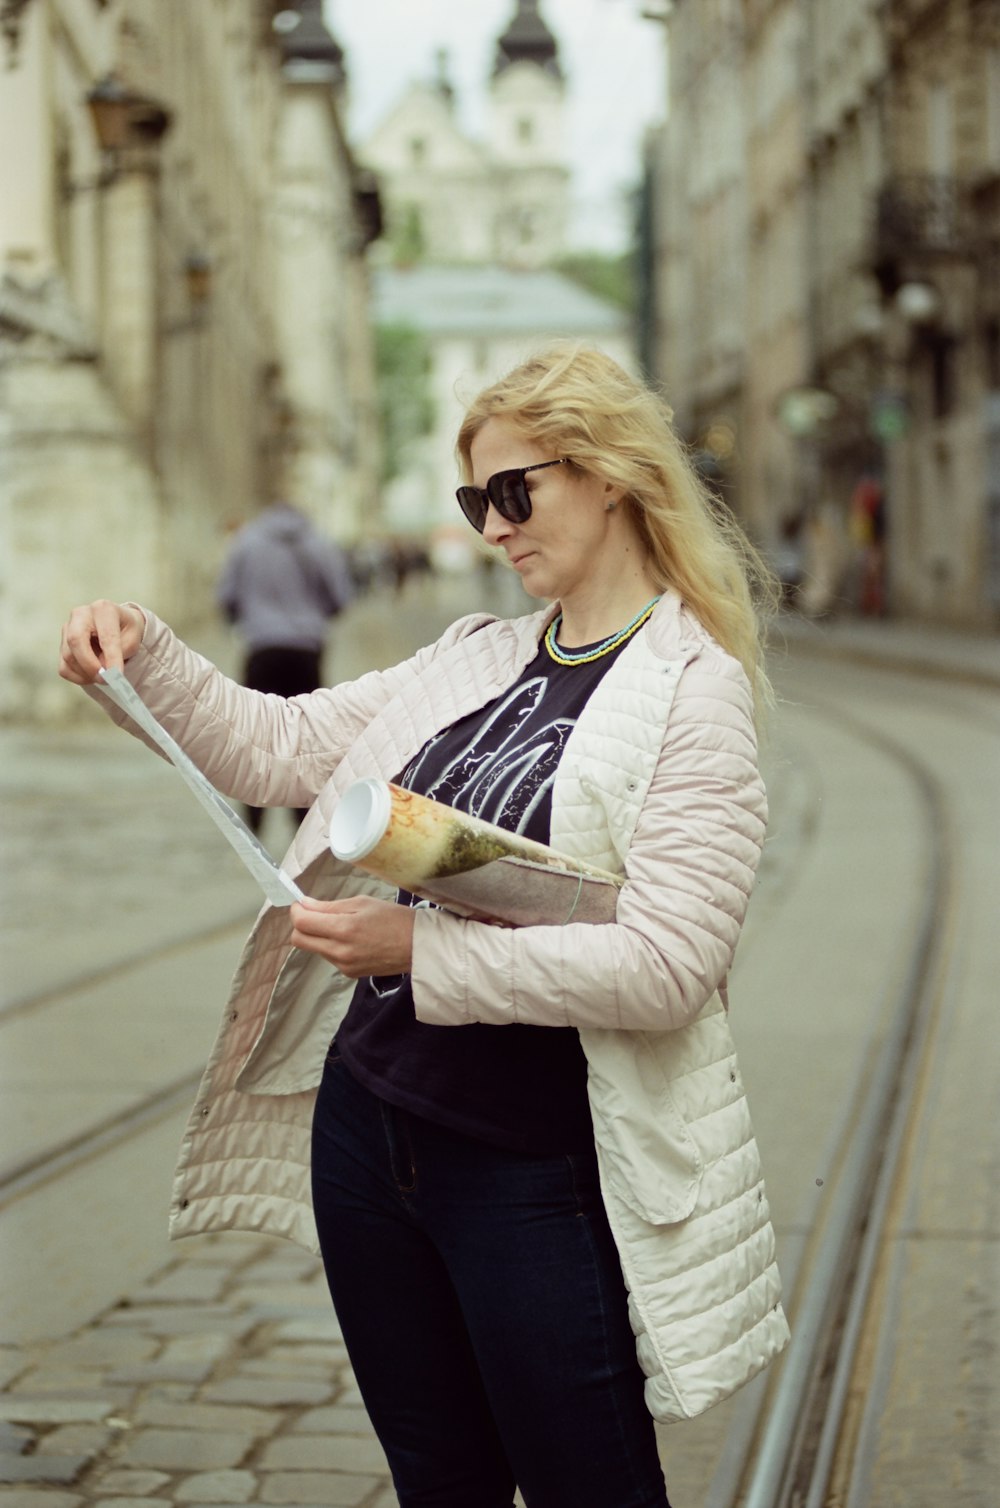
(465, 864)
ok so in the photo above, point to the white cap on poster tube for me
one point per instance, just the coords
(360, 820)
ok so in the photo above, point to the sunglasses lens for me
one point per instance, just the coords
(473, 504)
(509, 496)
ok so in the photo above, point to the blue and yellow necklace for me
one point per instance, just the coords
(584, 656)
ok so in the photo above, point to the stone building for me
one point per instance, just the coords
(935, 252)
(452, 198)
(477, 322)
(474, 228)
(182, 303)
(826, 225)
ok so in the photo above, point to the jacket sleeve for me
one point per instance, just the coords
(261, 749)
(689, 873)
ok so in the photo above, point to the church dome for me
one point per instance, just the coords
(304, 37)
(527, 40)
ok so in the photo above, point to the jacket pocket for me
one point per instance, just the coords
(647, 1152)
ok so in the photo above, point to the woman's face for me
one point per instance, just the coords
(560, 549)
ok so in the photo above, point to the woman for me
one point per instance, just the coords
(547, 1228)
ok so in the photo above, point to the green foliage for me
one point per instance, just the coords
(408, 241)
(406, 407)
(609, 277)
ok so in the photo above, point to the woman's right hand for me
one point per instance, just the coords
(100, 635)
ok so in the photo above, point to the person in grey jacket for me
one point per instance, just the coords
(547, 1228)
(281, 583)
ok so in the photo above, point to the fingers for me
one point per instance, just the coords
(322, 927)
(359, 936)
(98, 635)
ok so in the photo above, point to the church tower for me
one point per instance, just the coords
(527, 110)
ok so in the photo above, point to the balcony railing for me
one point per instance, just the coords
(922, 215)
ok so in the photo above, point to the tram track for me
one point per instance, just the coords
(800, 1438)
(69, 1147)
(67, 1156)
(118, 968)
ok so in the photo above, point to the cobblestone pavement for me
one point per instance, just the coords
(222, 1380)
(223, 1377)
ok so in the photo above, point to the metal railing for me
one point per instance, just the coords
(921, 213)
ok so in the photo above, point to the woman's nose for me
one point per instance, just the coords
(496, 528)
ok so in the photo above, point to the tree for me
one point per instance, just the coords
(406, 406)
(608, 277)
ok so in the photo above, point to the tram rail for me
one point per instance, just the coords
(798, 1436)
(785, 1446)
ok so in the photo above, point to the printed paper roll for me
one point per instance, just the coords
(464, 863)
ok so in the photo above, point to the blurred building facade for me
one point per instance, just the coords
(453, 198)
(467, 276)
(825, 225)
(183, 303)
(476, 323)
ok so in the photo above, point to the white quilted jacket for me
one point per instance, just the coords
(659, 779)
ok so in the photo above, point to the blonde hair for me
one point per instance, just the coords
(579, 403)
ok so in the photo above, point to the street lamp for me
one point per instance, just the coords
(198, 278)
(918, 303)
(804, 411)
(198, 269)
(122, 118)
(123, 121)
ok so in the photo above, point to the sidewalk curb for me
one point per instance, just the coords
(812, 643)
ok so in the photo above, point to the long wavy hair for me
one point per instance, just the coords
(577, 402)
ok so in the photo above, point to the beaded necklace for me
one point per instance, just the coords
(582, 657)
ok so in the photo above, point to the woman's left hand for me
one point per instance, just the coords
(360, 936)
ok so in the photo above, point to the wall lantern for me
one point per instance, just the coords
(198, 278)
(804, 411)
(123, 118)
(198, 270)
(918, 303)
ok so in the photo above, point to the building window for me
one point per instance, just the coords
(418, 150)
(943, 350)
(993, 106)
(940, 131)
(525, 130)
(991, 353)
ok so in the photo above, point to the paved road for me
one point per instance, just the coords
(212, 1372)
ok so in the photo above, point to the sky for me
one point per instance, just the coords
(613, 59)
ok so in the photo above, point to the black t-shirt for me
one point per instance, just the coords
(521, 1087)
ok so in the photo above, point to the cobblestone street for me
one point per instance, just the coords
(221, 1380)
(132, 1372)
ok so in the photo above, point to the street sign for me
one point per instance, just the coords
(890, 416)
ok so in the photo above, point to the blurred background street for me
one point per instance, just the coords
(259, 251)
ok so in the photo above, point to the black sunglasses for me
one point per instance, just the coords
(506, 490)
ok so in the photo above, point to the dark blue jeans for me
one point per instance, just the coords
(482, 1304)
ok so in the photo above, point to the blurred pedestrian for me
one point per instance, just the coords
(547, 1228)
(787, 559)
(281, 583)
(868, 531)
